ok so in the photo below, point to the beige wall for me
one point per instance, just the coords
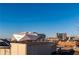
(8, 51)
(18, 49)
(15, 49)
(4, 51)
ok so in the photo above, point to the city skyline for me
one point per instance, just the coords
(36, 17)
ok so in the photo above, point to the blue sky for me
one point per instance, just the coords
(42, 18)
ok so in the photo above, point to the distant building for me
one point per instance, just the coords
(76, 38)
(52, 39)
(28, 36)
(62, 36)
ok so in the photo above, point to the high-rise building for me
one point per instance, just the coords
(61, 36)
